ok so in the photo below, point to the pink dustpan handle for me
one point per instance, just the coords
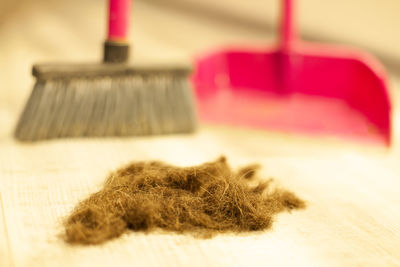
(288, 30)
(118, 19)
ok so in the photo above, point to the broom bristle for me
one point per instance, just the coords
(119, 104)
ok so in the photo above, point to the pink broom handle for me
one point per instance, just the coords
(116, 47)
(288, 31)
(118, 19)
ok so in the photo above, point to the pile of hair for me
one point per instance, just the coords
(201, 200)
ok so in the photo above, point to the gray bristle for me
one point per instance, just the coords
(108, 106)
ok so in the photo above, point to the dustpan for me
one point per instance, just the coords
(296, 87)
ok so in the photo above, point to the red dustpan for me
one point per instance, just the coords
(296, 87)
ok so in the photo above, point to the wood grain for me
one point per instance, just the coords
(5, 248)
(352, 190)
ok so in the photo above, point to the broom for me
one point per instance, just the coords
(110, 98)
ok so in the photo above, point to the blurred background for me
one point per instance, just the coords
(73, 31)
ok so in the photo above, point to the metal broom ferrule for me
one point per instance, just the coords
(116, 52)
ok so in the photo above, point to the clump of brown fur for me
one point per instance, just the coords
(202, 200)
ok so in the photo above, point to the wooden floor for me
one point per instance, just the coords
(352, 191)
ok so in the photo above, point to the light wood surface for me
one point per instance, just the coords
(352, 191)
